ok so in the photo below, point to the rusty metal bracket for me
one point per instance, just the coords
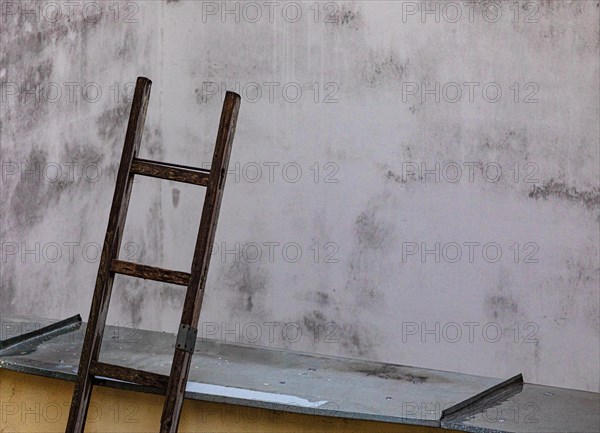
(186, 338)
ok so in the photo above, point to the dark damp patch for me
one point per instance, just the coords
(552, 188)
(343, 16)
(319, 316)
(112, 123)
(31, 95)
(247, 280)
(349, 17)
(86, 160)
(38, 75)
(353, 342)
(175, 195)
(369, 232)
(152, 142)
(81, 153)
(394, 177)
(392, 372)
(172, 296)
(315, 322)
(8, 287)
(383, 67)
(322, 298)
(537, 351)
(126, 46)
(551, 5)
(155, 232)
(327, 331)
(34, 194)
(340, 17)
(501, 306)
(133, 297)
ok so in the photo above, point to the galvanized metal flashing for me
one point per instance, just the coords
(322, 385)
(43, 333)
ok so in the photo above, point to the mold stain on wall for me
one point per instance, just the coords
(561, 191)
(31, 196)
(248, 281)
(324, 329)
(373, 238)
(384, 67)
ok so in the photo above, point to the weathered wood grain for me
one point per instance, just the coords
(129, 374)
(173, 172)
(150, 273)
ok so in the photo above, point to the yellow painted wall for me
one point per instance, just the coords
(33, 404)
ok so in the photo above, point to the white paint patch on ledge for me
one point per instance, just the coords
(248, 394)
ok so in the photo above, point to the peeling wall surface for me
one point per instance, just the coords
(411, 182)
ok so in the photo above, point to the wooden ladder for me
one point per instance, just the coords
(90, 368)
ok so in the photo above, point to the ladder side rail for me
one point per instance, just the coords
(200, 263)
(112, 242)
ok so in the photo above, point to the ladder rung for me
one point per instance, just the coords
(150, 273)
(129, 375)
(163, 170)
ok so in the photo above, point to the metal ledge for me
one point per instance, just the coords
(312, 384)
